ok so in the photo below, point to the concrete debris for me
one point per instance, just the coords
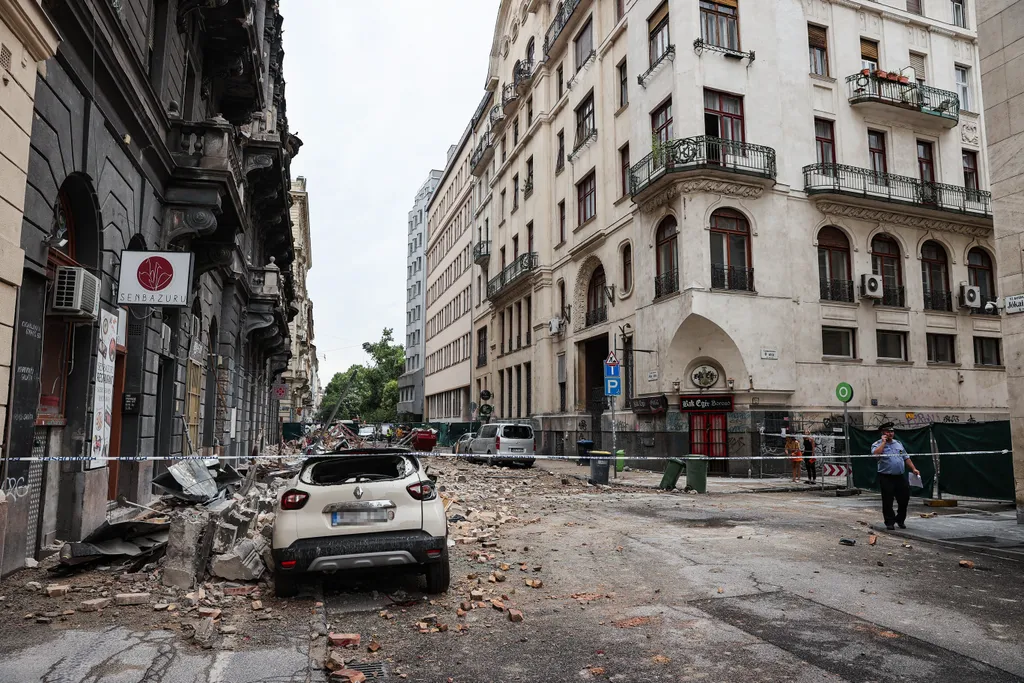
(134, 539)
(335, 661)
(124, 599)
(515, 615)
(34, 586)
(57, 590)
(348, 676)
(94, 605)
(182, 562)
(243, 563)
(206, 633)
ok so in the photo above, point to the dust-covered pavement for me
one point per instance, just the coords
(610, 584)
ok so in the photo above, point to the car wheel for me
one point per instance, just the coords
(286, 586)
(439, 575)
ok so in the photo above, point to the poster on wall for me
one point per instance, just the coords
(103, 395)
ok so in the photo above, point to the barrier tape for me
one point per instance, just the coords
(503, 457)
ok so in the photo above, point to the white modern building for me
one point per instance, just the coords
(748, 201)
(410, 384)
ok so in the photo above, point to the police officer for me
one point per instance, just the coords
(893, 463)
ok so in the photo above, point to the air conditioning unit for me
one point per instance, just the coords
(165, 340)
(970, 297)
(871, 286)
(555, 326)
(76, 293)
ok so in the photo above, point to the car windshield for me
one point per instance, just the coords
(518, 432)
(353, 468)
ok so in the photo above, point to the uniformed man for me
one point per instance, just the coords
(893, 463)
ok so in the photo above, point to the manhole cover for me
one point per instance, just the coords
(371, 671)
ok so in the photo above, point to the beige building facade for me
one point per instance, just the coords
(301, 377)
(748, 203)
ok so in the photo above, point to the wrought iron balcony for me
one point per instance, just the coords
(558, 24)
(732, 277)
(893, 296)
(703, 153)
(666, 283)
(481, 360)
(509, 97)
(887, 187)
(517, 270)
(870, 88)
(522, 73)
(497, 117)
(836, 290)
(596, 316)
(482, 155)
(938, 300)
(584, 138)
(669, 55)
(482, 252)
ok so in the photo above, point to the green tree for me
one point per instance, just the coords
(369, 392)
(350, 388)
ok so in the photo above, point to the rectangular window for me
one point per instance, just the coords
(620, 9)
(824, 141)
(719, 23)
(963, 86)
(986, 351)
(624, 163)
(970, 170)
(585, 119)
(502, 205)
(504, 148)
(917, 63)
(817, 44)
(560, 157)
(891, 345)
(838, 341)
(529, 112)
(868, 54)
(926, 161)
(877, 153)
(661, 122)
(515, 192)
(584, 44)
(560, 81)
(623, 84)
(658, 37)
(586, 198)
(529, 237)
(561, 221)
(515, 131)
(959, 13)
(941, 348)
(723, 116)
(914, 6)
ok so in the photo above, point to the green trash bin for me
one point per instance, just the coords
(620, 460)
(673, 468)
(697, 473)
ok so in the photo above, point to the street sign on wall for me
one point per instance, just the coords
(155, 278)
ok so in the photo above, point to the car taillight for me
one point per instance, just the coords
(422, 490)
(293, 499)
(288, 564)
(497, 443)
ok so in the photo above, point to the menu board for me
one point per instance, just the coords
(103, 396)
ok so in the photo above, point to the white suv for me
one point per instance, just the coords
(505, 443)
(360, 509)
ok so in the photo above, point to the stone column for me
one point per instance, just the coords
(1001, 25)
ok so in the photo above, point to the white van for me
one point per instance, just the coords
(505, 443)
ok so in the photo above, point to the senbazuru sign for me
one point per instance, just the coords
(155, 278)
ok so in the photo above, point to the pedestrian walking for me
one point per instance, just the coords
(893, 462)
(795, 456)
(809, 460)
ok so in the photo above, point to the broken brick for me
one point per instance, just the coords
(257, 605)
(239, 590)
(94, 605)
(872, 539)
(515, 615)
(348, 676)
(211, 612)
(373, 646)
(124, 599)
(476, 594)
(57, 590)
(349, 640)
(498, 605)
(966, 564)
(335, 661)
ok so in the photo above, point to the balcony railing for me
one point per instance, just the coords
(584, 138)
(509, 97)
(703, 152)
(732, 277)
(893, 296)
(523, 72)
(938, 300)
(518, 269)
(596, 316)
(497, 115)
(481, 360)
(888, 187)
(483, 153)
(668, 55)
(666, 283)
(558, 24)
(482, 252)
(836, 290)
(862, 87)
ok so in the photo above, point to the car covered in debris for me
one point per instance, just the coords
(361, 508)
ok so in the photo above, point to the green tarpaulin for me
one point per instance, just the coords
(865, 470)
(979, 476)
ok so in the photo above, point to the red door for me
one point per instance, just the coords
(708, 437)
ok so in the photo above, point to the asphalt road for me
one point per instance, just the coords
(637, 586)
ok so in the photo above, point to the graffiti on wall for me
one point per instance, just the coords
(14, 487)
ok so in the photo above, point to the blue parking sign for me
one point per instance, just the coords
(612, 386)
(611, 370)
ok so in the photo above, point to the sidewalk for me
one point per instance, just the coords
(989, 533)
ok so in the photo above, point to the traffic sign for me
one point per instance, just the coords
(611, 370)
(844, 392)
(830, 470)
(612, 386)
(486, 409)
(485, 395)
(611, 359)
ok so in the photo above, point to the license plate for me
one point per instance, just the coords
(517, 450)
(358, 517)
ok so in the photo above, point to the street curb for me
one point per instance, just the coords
(1001, 553)
(649, 487)
(317, 652)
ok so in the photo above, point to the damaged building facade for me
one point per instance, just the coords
(158, 126)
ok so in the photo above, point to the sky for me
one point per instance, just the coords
(377, 90)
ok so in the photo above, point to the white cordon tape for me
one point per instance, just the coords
(502, 458)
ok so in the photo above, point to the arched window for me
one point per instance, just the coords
(667, 281)
(561, 297)
(597, 308)
(627, 268)
(980, 275)
(730, 251)
(530, 48)
(935, 277)
(885, 261)
(834, 265)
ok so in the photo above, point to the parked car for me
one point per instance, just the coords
(367, 432)
(462, 445)
(503, 443)
(361, 508)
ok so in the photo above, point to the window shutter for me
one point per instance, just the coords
(869, 49)
(917, 64)
(817, 36)
(914, 6)
(659, 15)
(727, 3)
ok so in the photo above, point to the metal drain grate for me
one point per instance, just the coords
(371, 671)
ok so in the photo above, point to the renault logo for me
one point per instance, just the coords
(358, 492)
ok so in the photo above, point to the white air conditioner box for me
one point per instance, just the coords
(555, 326)
(165, 340)
(76, 293)
(970, 297)
(871, 286)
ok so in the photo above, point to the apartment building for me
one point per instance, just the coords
(410, 384)
(300, 402)
(748, 202)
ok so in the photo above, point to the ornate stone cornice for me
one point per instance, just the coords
(694, 185)
(193, 221)
(902, 219)
(29, 23)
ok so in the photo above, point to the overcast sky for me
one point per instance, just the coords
(377, 91)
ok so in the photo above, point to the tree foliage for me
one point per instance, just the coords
(368, 391)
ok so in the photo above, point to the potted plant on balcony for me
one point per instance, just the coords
(880, 74)
(904, 79)
(894, 76)
(865, 72)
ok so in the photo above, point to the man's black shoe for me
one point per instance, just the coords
(890, 527)
(902, 525)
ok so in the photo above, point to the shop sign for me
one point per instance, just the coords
(106, 355)
(650, 405)
(705, 404)
(130, 403)
(704, 376)
(155, 278)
